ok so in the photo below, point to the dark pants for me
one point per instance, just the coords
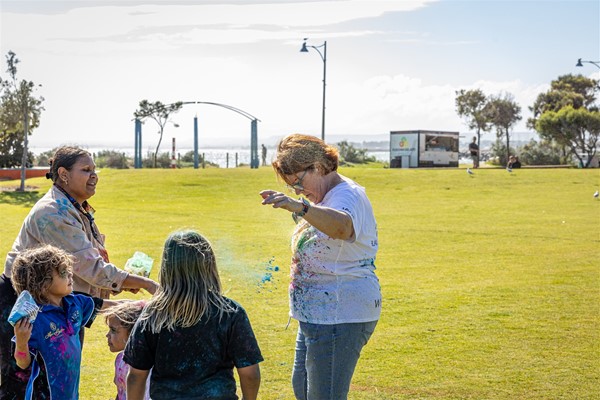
(13, 380)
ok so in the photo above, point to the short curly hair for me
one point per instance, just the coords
(32, 270)
(298, 152)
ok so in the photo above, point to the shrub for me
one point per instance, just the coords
(498, 154)
(163, 160)
(350, 154)
(43, 159)
(187, 160)
(540, 153)
(112, 159)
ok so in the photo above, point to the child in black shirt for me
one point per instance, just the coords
(189, 334)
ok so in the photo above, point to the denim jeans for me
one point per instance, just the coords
(326, 356)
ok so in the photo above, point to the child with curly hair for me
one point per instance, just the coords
(50, 346)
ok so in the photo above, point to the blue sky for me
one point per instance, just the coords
(391, 65)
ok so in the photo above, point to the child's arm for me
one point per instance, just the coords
(22, 333)
(136, 383)
(249, 381)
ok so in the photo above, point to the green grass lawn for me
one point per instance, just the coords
(491, 282)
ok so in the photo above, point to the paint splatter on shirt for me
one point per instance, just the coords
(121, 371)
(56, 349)
(333, 281)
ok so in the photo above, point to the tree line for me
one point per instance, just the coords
(566, 118)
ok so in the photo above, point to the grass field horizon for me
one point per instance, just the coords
(491, 281)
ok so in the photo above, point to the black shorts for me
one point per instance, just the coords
(13, 380)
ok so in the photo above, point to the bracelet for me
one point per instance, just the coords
(300, 214)
(21, 354)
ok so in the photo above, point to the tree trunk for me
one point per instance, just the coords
(158, 146)
(24, 158)
(507, 145)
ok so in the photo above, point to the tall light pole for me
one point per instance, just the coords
(580, 63)
(323, 55)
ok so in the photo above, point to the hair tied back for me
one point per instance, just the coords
(48, 175)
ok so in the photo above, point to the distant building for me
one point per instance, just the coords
(414, 149)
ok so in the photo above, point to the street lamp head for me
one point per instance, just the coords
(323, 56)
(580, 63)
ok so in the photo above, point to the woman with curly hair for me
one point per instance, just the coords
(334, 292)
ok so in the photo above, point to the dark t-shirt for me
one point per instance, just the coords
(473, 148)
(195, 362)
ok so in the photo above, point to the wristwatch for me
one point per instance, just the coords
(300, 214)
(305, 207)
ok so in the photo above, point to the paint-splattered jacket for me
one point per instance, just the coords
(54, 220)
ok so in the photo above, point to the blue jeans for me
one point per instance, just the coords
(326, 356)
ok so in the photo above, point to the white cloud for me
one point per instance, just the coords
(97, 63)
(228, 23)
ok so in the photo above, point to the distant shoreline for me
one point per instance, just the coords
(375, 142)
(217, 155)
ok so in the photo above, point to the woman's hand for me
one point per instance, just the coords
(335, 224)
(134, 283)
(148, 284)
(280, 200)
(152, 286)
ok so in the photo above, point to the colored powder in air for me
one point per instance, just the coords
(267, 279)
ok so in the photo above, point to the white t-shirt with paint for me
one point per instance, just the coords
(333, 281)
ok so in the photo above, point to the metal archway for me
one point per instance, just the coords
(254, 163)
